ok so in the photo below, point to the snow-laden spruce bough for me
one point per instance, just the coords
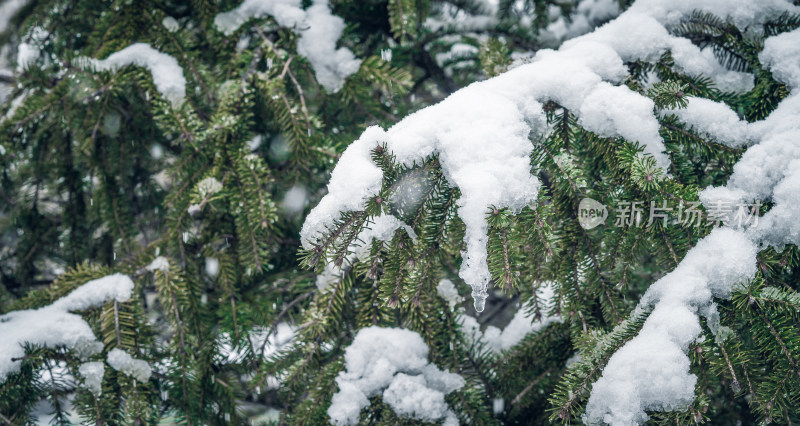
(56, 325)
(482, 136)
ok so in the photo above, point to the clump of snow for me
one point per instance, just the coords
(287, 13)
(457, 51)
(318, 29)
(451, 16)
(254, 143)
(393, 363)
(54, 325)
(651, 371)
(498, 405)
(714, 120)
(194, 210)
(212, 267)
(15, 104)
(447, 290)
(30, 50)
(295, 200)
(318, 44)
(167, 73)
(124, 363)
(170, 23)
(160, 263)
(520, 326)
(776, 51)
(208, 186)
(92, 373)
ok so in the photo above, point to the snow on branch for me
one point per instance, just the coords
(123, 362)
(393, 363)
(167, 73)
(481, 133)
(54, 325)
(651, 372)
(318, 29)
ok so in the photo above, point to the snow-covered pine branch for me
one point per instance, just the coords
(55, 325)
(318, 32)
(482, 138)
(481, 133)
(651, 372)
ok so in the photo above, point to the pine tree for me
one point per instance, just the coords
(170, 161)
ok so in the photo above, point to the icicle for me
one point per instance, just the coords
(479, 300)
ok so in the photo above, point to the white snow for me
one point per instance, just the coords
(194, 209)
(651, 371)
(8, 9)
(714, 120)
(54, 325)
(27, 54)
(393, 363)
(208, 186)
(498, 405)
(447, 290)
(92, 373)
(160, 263)
(778, 54)
(318, 45)
(167, 73)
(295, 200)
(124, 363)
(318, 29)
(170, 23)
(212, 267)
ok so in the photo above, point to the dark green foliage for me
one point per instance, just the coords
(100, 174)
